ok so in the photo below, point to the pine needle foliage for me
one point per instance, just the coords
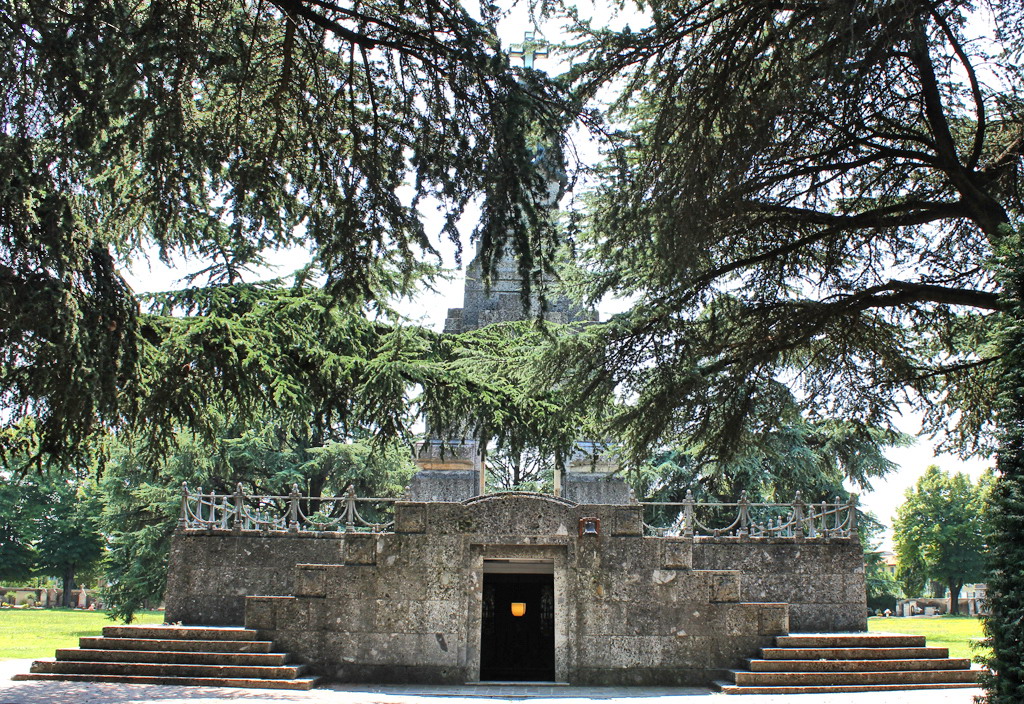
(1005, 627)
(816, 460)
(486, 384)
(226, 129)
(799, 198)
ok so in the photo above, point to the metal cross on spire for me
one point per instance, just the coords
(529, 49)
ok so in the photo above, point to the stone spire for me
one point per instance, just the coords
(503, 300)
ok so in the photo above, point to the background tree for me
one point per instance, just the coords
(883, 588)
(69, 541)
(17, 512)
(50, 526)
(814, 459)
(912, 572)
(940, 530)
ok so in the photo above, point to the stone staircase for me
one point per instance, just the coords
(849, 662)
(181, 655)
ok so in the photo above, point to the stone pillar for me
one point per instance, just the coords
(590, 477)
(450, 470)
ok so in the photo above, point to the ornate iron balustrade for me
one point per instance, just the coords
(352, 514)
(292, 513)
(688, 518)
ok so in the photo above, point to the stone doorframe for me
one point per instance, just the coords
(555, 555)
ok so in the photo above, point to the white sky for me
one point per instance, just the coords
(430, 308)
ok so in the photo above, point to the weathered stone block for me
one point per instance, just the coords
(350, 615)
(398, 616)
(741, 620)
(725, 586)
(351, 581)
(621, 652)
(300, 614)
(310, 580)
(439, 616)
(854, 593)
(661, 577)
(300, 642)
(628, 521)
(410, 517)
(342, 646)
(390, 648)
(261, 611)
(773, 620)
(438, 649)
(677, 554)
(360, 550)
(596, 488)
(688, 586)
(628, 554)
(444, 585)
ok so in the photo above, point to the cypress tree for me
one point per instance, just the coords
(1005, 626)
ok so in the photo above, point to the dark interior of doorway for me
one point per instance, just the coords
(518, 648)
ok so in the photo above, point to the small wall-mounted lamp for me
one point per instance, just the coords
(518, 609)
(590, 526)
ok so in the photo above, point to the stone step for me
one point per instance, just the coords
(850, 640)
(206, 646)
(902, 665)
(730, 688)
(171, 656)
(852, 653)
(797, 679)
(180, 632)
(66, 667)
(301, 683)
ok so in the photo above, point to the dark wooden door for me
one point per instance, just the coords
(518, 648)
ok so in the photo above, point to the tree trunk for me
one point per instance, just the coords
(954, 597)
(69, 584)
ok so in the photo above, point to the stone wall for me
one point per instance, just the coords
(212, 572)
(406, 607)
(821, 580)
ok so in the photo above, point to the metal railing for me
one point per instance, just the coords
(295, 513)
(689, 518)
(292, 513)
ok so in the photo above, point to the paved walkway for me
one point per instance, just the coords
(102, 693)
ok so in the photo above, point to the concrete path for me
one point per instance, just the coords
(101, 693)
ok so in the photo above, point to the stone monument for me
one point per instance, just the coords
(518, 586)
(452, 469)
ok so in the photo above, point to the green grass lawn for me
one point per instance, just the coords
(953, 632)
(37, 633)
